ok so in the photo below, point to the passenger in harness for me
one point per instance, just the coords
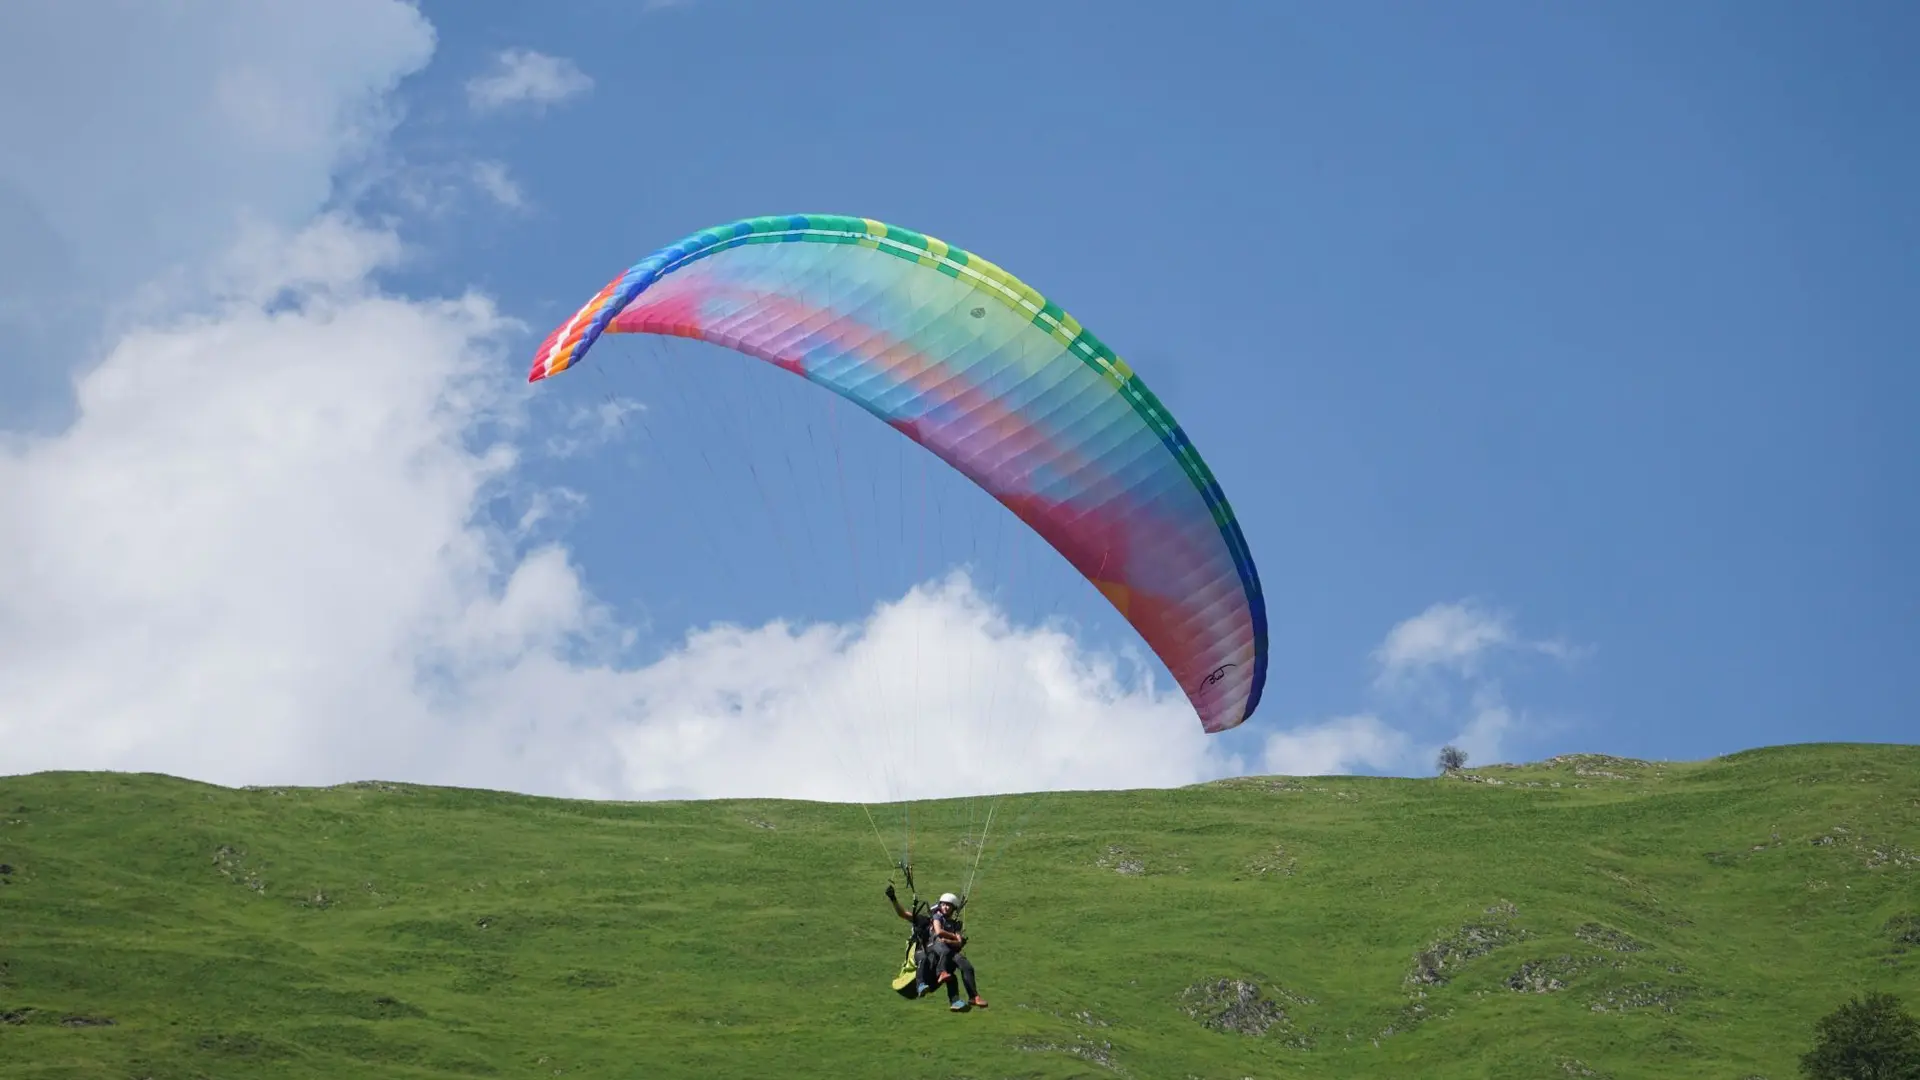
(917, 974)
(949, 937)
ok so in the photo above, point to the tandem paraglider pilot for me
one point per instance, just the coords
(948, 961)
(916, 974)
(934, 952)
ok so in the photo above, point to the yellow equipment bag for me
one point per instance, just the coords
(904, 983)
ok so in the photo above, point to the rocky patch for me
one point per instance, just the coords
(1095, 1051)
(27, 1015)
(1262, 783)
(1084, 1016)
(1605, 937)
(1601, 765)
(231, 862)
(1890, 855)
(1905, 931)
(1875, 853)
(1436, 964)
(367, 785)
(1545, 976)
(1242, 1007)
(1132, 863)
(1599, 761)
(1232, 1005)
(1278, 864)
(1121, 861)
(1643, 995)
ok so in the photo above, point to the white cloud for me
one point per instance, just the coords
(1453, 636)
(258, 557)
(171, 130)
(526, 77)
(437, 190)
(492, 179)
(1457, 637)
(1434, 673)
(264, 549)
(1489, 720)
(1438, 665)
(589, 426)
(545, 506)
(1343, 745)
(836, 711)
(245, 525)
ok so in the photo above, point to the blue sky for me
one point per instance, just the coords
(1590, 314)
(1597, 320)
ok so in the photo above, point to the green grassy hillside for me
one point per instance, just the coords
(1582, 917)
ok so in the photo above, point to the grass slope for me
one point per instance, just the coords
(1661, 920)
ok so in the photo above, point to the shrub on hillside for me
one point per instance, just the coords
(1870, 1038)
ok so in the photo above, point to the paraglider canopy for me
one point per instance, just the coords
(996, 380)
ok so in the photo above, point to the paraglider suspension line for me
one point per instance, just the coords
(980, 849)
(884, 849)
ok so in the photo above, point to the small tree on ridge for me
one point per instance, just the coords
(1452, 758)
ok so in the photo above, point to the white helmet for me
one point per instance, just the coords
(949, 898)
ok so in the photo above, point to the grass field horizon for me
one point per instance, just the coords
(1586, 915)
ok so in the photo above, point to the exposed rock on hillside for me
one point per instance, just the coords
(1436, 964)
(1233, 1005)
(1243, 1007)
(1605, 937)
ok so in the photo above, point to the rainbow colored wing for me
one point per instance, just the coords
(971, 363)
